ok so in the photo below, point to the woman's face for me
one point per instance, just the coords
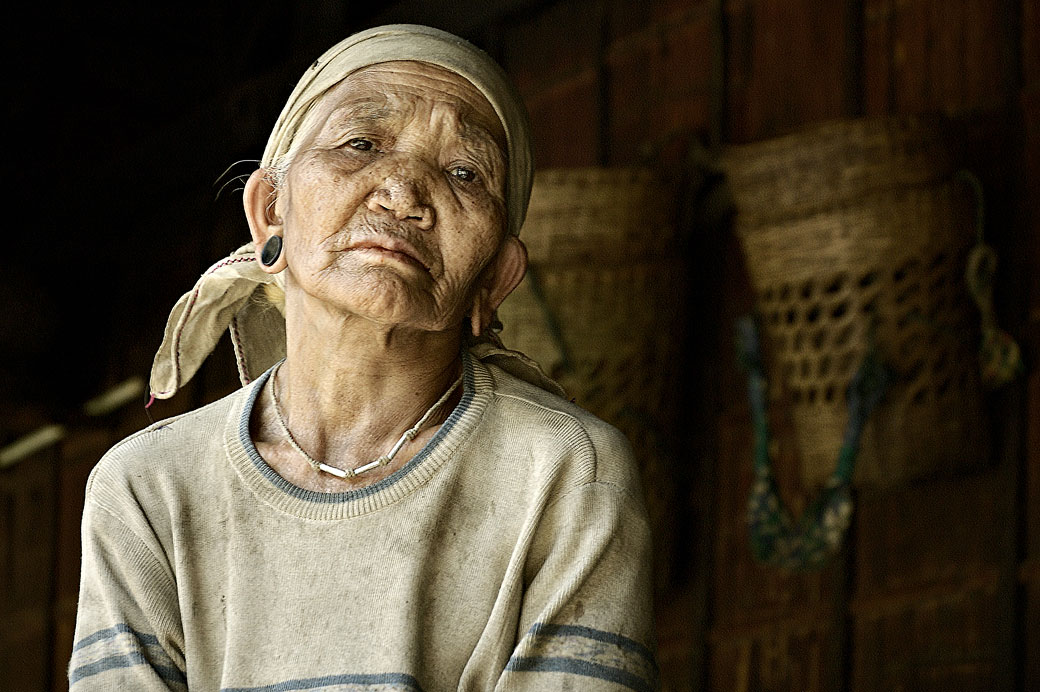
(395, 205)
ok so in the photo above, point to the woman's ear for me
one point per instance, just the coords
(258, 200)
(504, 274)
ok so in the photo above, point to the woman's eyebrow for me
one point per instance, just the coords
(361, 112)
(483, 146)
(482, 138)
(475, 127)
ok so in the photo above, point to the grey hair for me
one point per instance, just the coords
(277, 170)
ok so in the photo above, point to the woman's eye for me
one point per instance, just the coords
(463, 173)
(360, 143)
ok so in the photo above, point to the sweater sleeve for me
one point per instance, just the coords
(128, 632)
(586, 619)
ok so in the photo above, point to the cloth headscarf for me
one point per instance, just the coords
(229, 295)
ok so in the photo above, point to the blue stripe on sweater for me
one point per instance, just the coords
(619, 640)
(135, 649)
(368, 679)
(588, 652)
(576, 666)
(105, 634)
(129, 660)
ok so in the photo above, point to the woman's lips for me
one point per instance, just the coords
(390, 248)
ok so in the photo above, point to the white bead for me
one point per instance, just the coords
(339, 473)
(368, 467)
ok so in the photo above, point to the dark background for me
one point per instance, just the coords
(122, 118)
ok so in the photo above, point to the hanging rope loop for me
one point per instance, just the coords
(1000, 358)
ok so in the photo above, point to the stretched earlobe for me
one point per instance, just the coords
(510, 267)
(265, 227)
(474, 319)
(505, 273)
(480, 315)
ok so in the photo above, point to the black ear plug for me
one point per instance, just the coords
(272, 250)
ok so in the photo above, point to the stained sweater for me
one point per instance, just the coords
(511, 553)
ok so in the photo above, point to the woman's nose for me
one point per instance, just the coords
(405, 200)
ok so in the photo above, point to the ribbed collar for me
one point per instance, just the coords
(274, 490)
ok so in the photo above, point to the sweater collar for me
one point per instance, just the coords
(274, 490)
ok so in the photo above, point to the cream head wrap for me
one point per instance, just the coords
(229, 294)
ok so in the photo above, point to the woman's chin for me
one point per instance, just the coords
(388, 303)
(382, 294)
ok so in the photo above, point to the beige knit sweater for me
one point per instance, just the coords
(512, 553)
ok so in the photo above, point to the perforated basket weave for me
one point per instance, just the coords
(599, 308)
(855, 231)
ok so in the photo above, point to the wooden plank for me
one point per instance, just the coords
(1009, 410)
(924, 55)
(737, 56)
(934, 643)
(27, 500)
(758, 607)
(630, 94)
(563, 119)
(928, 534)
(683, 65)
(461, 17)
(1030, 25)
(931, 606)
(787, 65)
(852, 64)
(552, 45)
(626, 17)
(675, 640)
(1030, 645)
(878, 78)
(1032, 481)
(782, 659)
(658, 87)
(1029, 248)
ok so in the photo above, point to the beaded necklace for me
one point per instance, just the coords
(408, 435)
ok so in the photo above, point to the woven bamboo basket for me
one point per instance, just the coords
(598, 310)
(856, 232)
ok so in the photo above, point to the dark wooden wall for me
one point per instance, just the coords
(939, 587)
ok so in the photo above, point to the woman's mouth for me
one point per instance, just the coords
(391, 249)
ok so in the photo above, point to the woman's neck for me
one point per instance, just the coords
(364, 376)
(348, 389)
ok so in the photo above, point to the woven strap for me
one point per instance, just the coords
(776, 539)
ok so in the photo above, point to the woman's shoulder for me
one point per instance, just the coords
(543, 418)
(166, 453)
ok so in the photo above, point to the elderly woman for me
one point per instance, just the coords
(397, 502)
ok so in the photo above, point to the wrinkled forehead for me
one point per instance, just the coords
(384, 90)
